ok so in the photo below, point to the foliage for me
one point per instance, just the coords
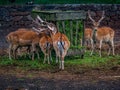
(71, 32)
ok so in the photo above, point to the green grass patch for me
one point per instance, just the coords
(73, 64)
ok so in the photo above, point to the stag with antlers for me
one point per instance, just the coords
(101, 34)
(60, 41)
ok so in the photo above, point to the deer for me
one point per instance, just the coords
(12, 39)
(46, 45)
(88, 38)
(60, 41)
(24, 37)
(101, 34)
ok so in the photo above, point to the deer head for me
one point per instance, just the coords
(96, 23)
(52, 27)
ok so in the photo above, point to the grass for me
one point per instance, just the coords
(72, 63)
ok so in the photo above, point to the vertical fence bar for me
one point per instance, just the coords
(63, 27)
(83, 38)
(76, 41)
(57, 24)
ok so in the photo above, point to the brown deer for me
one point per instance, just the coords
(102, 34)
(60, 41)
(23, 37)
(45, 44)
(61, 44)
(12, 38)
(88, 38)
(46, 47)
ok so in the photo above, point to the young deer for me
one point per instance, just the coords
(46, 47)
(60, 41)
(102, 34)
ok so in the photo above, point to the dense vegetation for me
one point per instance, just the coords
(4, 2)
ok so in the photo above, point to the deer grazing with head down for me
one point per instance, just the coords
(13, 39)
(60, 41)
(101, 34)
(24, 37)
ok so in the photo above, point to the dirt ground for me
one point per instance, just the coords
(12, 78)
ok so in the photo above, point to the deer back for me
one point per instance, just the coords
(105, 33)
(13, 37)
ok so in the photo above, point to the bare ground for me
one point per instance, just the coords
(13, 78)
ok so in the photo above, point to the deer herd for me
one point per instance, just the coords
(47, 36)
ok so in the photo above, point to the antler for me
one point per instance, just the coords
(38, 17)
(103, 16)
(90, 16)
(35, 21)
(49, 25)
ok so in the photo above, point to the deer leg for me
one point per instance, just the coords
(50, 57)
(92, 47)
(29, 51)
(33, 51)
(14, 51)
(38, 56)
(100, 47)
(60, 64)
(19, 51)
(10, 51)
(57, 57)
(62, 61)
(109, 48)
(44, 58)
(113, 48)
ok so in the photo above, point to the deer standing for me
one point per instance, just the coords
(60, 41)
(102, 34)
(25, 37)
(45, 44)
(61, 44)
(13, 39)
(88, 38)
(46, 47)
